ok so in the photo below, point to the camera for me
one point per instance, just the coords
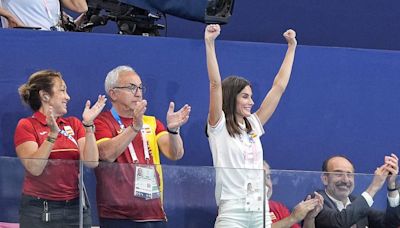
(139, 17)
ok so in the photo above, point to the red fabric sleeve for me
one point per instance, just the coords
(24, 132)
(77, 126)
(102, 128)
(159, 127)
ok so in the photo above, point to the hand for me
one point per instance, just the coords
(14, 22)
(380, 176)
(392, 166)
(80, 19)
(212, 32)
(179, 118)
(290, 36)
(51, 122)
(66, 17)
(320, 204)
(89, 114)
(304, 208)
(138, 113)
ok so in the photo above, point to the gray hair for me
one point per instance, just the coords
(113, 75)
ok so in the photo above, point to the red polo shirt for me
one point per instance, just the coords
(59, 179)
(115, 181)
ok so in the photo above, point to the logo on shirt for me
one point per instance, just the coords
(252, 135)
(43, 133)
(69, 130)
(146, 129)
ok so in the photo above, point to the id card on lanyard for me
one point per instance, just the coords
(146, 186)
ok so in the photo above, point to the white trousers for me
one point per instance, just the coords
(231, 214)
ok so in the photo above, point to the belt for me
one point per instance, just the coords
(34, 199)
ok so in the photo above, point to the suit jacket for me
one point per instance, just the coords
(358, 212)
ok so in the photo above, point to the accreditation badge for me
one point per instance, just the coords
(69, 130)
(146, 186)
(254, 199)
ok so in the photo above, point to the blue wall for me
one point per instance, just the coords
(338, 101)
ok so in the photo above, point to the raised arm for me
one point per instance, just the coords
(79, 6)
(215, 109)
(171, 145)
(281, 80)
(89, 152)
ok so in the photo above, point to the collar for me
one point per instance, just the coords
(339, 204)
(42, 118)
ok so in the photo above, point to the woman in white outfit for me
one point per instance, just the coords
(234, 136)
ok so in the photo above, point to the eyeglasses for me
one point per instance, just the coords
(133, 88)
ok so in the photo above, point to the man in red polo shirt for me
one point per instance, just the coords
(129, 185)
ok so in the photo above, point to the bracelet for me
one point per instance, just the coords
(134, 129)
(392, 189)
(51, 139)
(89, 125)
(173, 132)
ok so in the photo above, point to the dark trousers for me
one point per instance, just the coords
(126, 223)
(60, 213)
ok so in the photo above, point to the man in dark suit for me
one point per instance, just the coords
(343, 210)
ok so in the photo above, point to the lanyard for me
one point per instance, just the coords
(251, 156)
(63, 132)
(130, 146)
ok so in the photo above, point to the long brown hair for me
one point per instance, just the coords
(231, 87)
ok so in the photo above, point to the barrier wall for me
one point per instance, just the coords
(188, 195)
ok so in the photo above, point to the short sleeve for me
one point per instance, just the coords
(159, 127)
(102, 129)
(24, 132)
(78, 127)
(256, 124)
(219, 126)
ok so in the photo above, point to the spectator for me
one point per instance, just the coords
(234, 136)
(50, 195)
(280, 215)
(40, 14)
(129, 188)
(343, 210)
